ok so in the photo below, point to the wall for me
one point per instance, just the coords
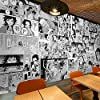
(34, 44)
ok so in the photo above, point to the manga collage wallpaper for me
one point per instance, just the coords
(34, 44)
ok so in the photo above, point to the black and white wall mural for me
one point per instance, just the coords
(34, 44)
(54, 69)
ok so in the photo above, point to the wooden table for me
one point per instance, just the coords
(90, 81)
(98, 73)
(29, 96)
(50, 93)
(53, 93)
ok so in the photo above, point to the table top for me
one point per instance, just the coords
(90, 81)
(53, 93)
(98, 72)
(29, 96)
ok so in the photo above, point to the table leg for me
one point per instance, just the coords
(95, 97)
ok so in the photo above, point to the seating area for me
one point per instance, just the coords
(64, 85)
(78, 86)
(73, 89)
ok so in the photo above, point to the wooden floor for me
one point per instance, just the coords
(65, 86)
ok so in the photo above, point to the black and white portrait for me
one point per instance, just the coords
(35, 66)
(55, 69)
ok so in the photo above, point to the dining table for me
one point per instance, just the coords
(91, 81)
(29, 96)
(53, 93)
(49, 93)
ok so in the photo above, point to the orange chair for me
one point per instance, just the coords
(30, 85)
(95, 69)
(76, 84)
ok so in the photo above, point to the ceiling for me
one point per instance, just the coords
(88, 9)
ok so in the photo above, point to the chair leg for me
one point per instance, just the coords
(71, 87)
(81, 95)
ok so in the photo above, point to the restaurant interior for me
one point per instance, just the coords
(49, 49)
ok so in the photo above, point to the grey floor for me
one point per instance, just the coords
(8, 96)
(64, 86)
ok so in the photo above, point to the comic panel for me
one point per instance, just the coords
(10, 25)
(32, 45)
(3, 83)
(14, 79)
(29, 28)
(43, 49)
(32, 68)
(1, 41)
(35, 27)
(11, 63)
(56, 48)
(86, 28)
(27, 75)
(55, 69)
(11, 54)
(77, 29)
(35, 66)
(20, 8)
(14, 44)
(72, 65)
(16, 26)
(64, 25)
(93, 27)
(10, 42)
(32, 74)
(47, 28)
(97, 42)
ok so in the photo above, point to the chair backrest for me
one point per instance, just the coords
(30, 85)
(75, 74)
(95, 69)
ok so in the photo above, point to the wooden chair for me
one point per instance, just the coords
(30, 85)
(76, 84)
(95, 69)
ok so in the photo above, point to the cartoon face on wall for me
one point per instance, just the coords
(17, 29)
(13, 2)
(1, 20)
(55, 69)
(64, 24)
(4, 2)
(9, 23)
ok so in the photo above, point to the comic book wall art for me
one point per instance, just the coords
(30, 38)
(4, 83)
(14, 79)
(19, 36)
(55, 69)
